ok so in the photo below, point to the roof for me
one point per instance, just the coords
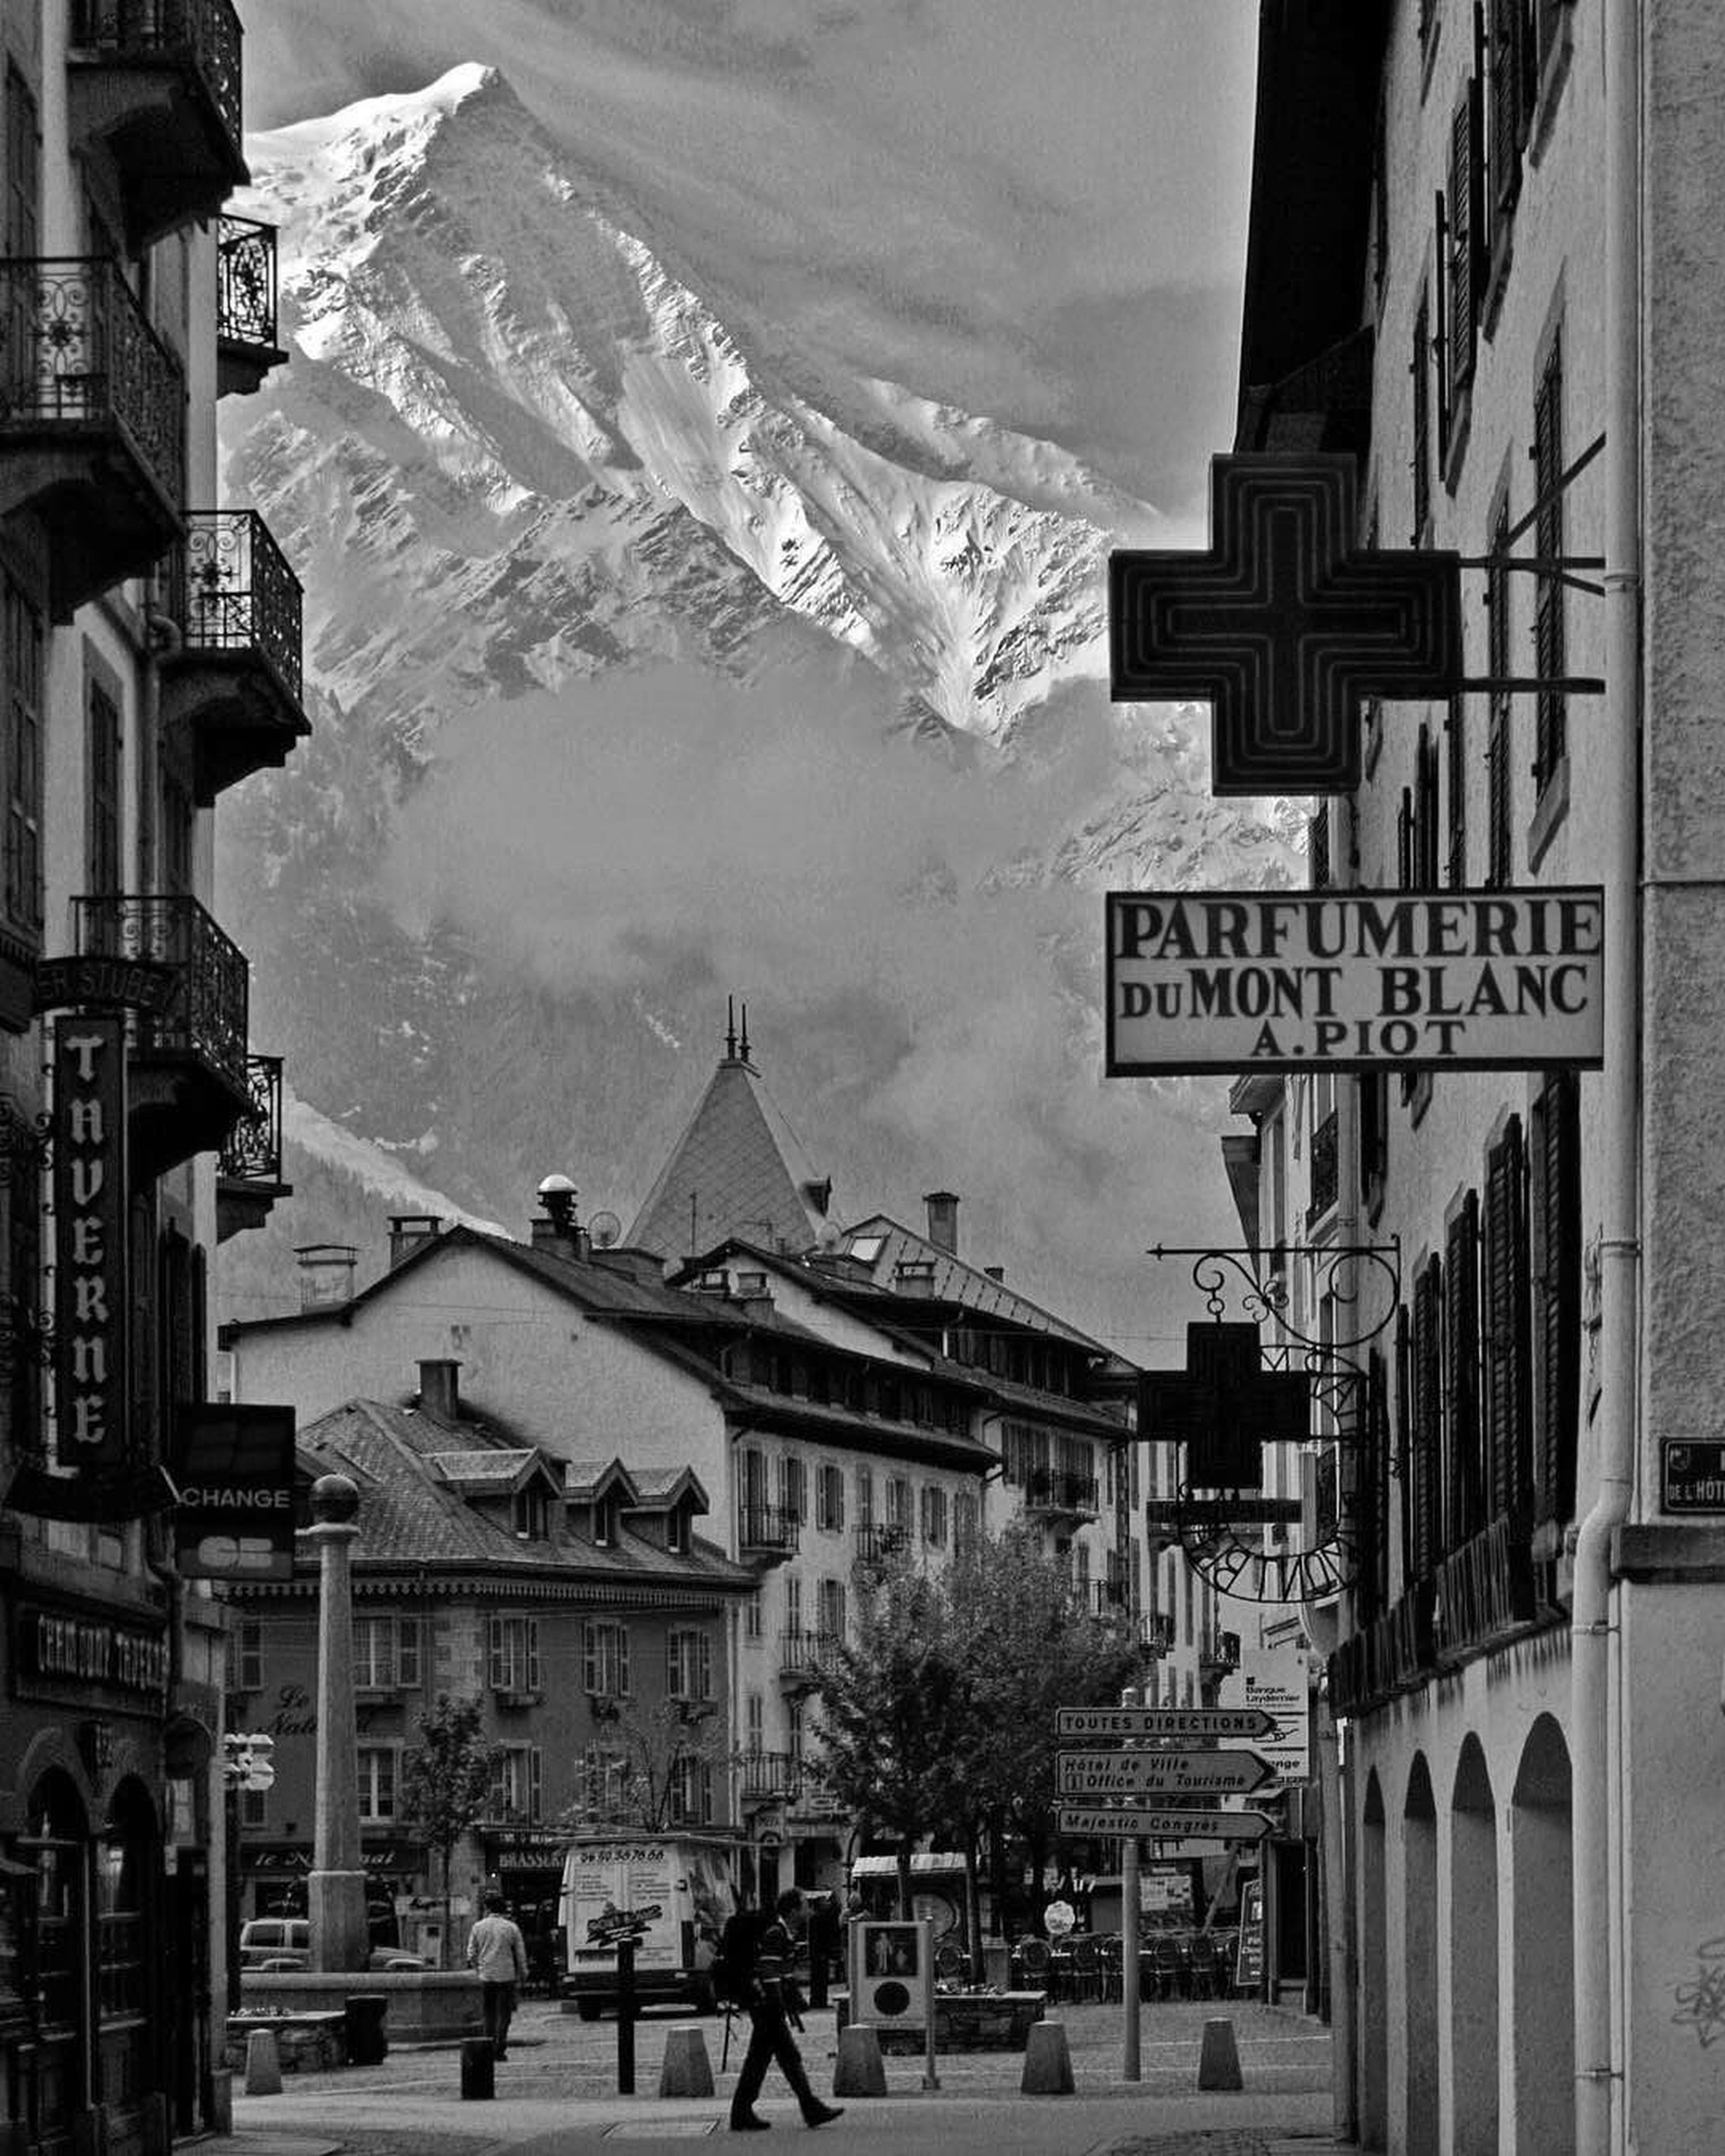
(738, 1168)
(880, 1245)
(412, 1513)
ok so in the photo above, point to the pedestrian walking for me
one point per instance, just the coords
(496, 1948)
(765, 1989)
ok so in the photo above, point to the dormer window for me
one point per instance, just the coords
(677, 1530)
(530, 1514)
(605, 1521)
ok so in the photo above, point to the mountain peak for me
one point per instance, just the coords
(473, 89)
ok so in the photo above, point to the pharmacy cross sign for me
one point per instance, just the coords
(1284, 625)
(1225, 1407)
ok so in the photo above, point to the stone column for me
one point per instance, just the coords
(336, 1889)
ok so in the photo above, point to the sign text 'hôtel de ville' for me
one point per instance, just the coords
(1238, 981)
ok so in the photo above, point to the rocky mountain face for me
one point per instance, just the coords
(637, 676)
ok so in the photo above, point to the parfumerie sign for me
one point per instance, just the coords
(1240, 981)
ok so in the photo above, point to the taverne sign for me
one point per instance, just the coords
(1238, 981)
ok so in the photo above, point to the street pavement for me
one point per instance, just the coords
(557, 2095)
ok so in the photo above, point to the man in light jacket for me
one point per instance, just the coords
(496, 1948)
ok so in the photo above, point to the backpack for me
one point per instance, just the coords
(732, 1974)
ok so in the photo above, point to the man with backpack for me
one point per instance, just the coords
(754, 1972)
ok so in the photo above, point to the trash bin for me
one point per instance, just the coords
(478, 2068)
(367, 2044)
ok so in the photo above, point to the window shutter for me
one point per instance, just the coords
(1427, 1381)
(1404, 1433)
(1464, 1497)
(1509, 64)
(535, 1781)
(704, 1666)
(1420, 368)
(1557, 1295)
(591, 1680)
(533, 1653)
(673, 1662)
(407, 1647)
(1506, 1345)
(622, 1635)
(1440, 326)
(498, 1658)
(1550, 710)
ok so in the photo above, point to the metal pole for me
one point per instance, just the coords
(625, 2016)
(1129, 2067)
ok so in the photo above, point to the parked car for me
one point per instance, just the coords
(284, 1942)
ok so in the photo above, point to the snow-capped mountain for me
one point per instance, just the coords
(634, 668)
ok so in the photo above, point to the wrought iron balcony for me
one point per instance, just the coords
(764, 1530)
(1053, 1490)
(803, 1656)
(881, 1545)
(92, 423)
(1158, 1631)
(248, 1173)
(235, 679)
(246, 326)
(189, 1083)
(768, 1776)
(157, 84)
(1220, 1652)
(1107, 1597)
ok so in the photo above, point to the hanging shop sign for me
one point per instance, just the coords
(1240, 981)
(234, 1492)
(89, 1239)
(1284, 625)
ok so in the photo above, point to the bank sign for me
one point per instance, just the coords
(1241, 981)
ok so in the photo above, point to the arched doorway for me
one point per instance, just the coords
(1473, 1956)
(1373, 1973)
(127, 1879)
(1419, 1959)
(1542, 1943)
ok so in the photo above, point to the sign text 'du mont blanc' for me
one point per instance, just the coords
(1283, 980)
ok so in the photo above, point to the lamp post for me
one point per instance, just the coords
(335, 1892)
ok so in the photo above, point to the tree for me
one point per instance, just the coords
(893, 1737)
(651, 1751)
(446, 1783)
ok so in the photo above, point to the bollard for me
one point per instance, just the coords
(860, 2070)
(262, 2063)
(1047, 2061)
(1218, 2063)
(685, 2069)
(478, 2068)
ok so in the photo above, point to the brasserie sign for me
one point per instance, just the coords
(1240, 981)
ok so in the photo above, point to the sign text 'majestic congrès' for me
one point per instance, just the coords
(1249, 980)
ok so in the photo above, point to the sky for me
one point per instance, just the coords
(1035, 211)
(1028, 211)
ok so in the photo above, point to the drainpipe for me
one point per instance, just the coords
(1598, 1947)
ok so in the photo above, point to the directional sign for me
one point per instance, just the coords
(1141, 1820)
(1188, 1775)
(1163, 1722)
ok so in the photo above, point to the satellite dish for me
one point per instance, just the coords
(604, 1228)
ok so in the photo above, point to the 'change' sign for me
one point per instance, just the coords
(1240, 981)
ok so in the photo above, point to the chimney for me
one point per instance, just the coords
(326, 1271)
(440, 1388)
(557, 1228)
(409, 1231)
(943, 1220)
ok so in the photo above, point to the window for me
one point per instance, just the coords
(752, 1618)
(793, 1493)
(1498, 851)
(793, 1729)
(688, 1663)
(830, 1603)
(513, 1663)
(603, 1780)
(23, 637)
(1551, 726)
(864, 1497)
(1505, 1378)
(1513, 83)
(1455, 793)
(829, 1499)
(386, 1653)
(605, 1659)
(103, 866)
(255, 1807)
(934, 1515)
(792, 1601)
(1463, 1478)
(1465, 205)
(1080, 1571)
(1421, 1490)
(1555, 1193)
(967, 1520)
(245, 1655)
(377, 1780)
(530, 1512)
(24, 156)
(691, 1792)
(517, 1782)
(897, 1502)
(754, 1725)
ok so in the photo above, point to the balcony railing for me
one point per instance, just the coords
(1107, 1597)
(767, 1775)
(772, 1530)
(252, 1153)
(204, 34)
(878, 1545)
(247, 326)
(805, 1654)
(231, 591)
(205, 1014)
(1220, 1651)
(1054, 1490)
(1159, 1631)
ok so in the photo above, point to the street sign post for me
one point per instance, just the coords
(1157, 1824)
(1194, 1722)
(1191, 1775)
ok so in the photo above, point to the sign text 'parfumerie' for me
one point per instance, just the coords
(1240, 981)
